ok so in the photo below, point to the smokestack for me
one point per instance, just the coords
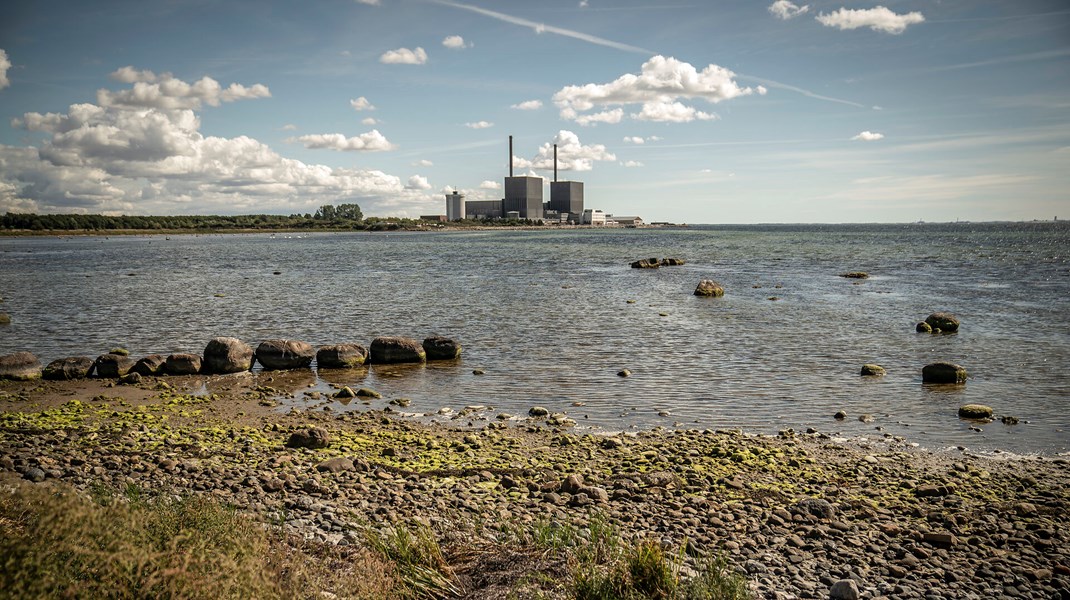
(510, 156)
(555, 163)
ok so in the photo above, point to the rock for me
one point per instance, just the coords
(312, 437)
(227, 355)
(368, 393)
(341, 356)
(402, 402)
(709, 288)
(596, 494)
(814, 507)
(611, 443)
(537, 411)
(923, 327)
(855, 275)
(1009, 420)
(441, 348)
(5, 319)
(335, 465)
(131, 378)
(386, 350)
(479, 372)
(73, 367)
(182, 364)
(871, 370)
(276, 355)
(646, 263)
(572, 484)
(623, 373)
(840, 415)
(113, 366)
(34, 474)
(150, 365)
(943, 321)
(939, 539)
(844, 589)
(20, 366)
(672, 262)
(943, 372)
(346, 392)
(975, 411)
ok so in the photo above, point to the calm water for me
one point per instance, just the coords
(545, 314)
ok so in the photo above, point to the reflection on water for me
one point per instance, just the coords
(550, 317)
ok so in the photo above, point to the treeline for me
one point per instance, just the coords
(343, 216)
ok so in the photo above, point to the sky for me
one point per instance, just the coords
(702, 111)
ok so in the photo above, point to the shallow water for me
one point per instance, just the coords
(545, 314)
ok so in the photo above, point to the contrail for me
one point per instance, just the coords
(807, 93)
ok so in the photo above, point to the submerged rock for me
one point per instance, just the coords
(441, 348)
(20, 366)
(227, 355)
(275, 355)
(945, 322)
(150, 365)
(672, 262)
(341, 356)
(386, 350)
(975, 411)
(182, 364)
(871, 370)
(855, 275)
(646, 263)
(113, 366)
(923, 327)
(943, 372)
(709, 288)
(73, 367)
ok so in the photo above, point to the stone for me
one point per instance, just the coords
(279, 355)
(939, 539)
(572, 484)
(368, 393)
(387, 350)
(975, 411)
(923, 327)
(341, 356)
(855, 275)
(623, 373)
(944, 321)
(872, 370)
(815, 507)
(131, 378)
(537, 411)
(312, 437)
(335, 465)
(227, 355)
(73, 367)
(441, 348)
(113, 366)
(150, 365)
(672, 262)
(182, 364)
(844, 589)
(346, 392)
(596, 494)
(709, 288)
(34, 474)
(5, 319)
(1009, 420)
(611, 443)
(943, 372)
(20, 366)
(840, 415)
(646, 263)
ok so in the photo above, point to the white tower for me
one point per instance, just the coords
(454, 206)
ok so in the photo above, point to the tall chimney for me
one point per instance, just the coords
(510, 156)
(555, 163)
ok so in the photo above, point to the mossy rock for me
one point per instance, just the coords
(871, 370)
(975, 411)
(943, 372)
(923, 327)
(709, 288)
(944, 321)
(341, 356)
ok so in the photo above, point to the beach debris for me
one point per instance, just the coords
(709, 288)
(74, 367)
(341, 356)
(441, 348)
(873, 370)
(943, 321)
(943, 372)
(20, 366)
(386, 350)
(227, 355)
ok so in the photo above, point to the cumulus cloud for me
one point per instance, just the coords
(657, 89)
(479, 125)
(490, 185)
(372, 141)
(868, 136)
(631, 163)
(608, 116)
(423, 163)
(528, 105)
(572, 155)
(165, 91)
(5, 64)
(369, 121)
(404, 56)
(361, 103)
(639, 140)
(877, 19)
(784, 9)
(418, 182)
(455, 42)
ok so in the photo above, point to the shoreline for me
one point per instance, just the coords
(795, 513)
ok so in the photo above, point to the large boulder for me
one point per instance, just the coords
(387, 350)
(73, 367)
(148, 366)
(312, 437)
(646, 263)
(227, 355)
(943, 372)
(709, 288)
(275, 355)
(945, 322)
(21, 366)
(341, 356)
(441, 348)
(113, 366)
(182, 364)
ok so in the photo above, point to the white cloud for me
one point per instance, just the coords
(404, 56)
(369, 121)
(423, 163)
(584, 4)
(868, 136)
(571, 154)
(129, 74)
(418, 182)
(631, 163)
(479, 125)
(369, 2)
(5, 64)
(638, 140)
(372, 141)
(877, 19)
(784, 10)
(609, 116)
(164, 91)
(289, 127)
(361, 103)
(490, 185)
(658, 87)
(455, 42)
(528, 105)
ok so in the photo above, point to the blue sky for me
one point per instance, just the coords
(688, 111)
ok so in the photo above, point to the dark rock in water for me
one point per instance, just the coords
(386, 350)
(441, 348)
(975, 411)
(20, 366)
(368, 393)
(150, 365)
(537, 411)
(672, 262)
(313, 437)
(113, 366)
(74, 367)
(923, 327)
(1008, 420)
(646, 263)
(840, 415)
(5, 319)
(227, 355)
(346, 392)
(623, 373)
(341, 356)
(943, 372)
(855, 275)
(709, 288)
(945, 322)
(871, 370)
(276, 355)
(182, 364)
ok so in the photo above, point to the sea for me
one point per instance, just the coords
(549, 317)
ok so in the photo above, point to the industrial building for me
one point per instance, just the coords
(455, 207)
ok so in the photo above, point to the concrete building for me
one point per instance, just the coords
(523, 195)
(567, 197)
(593, 216)
(624, 221)
(455, 209)
(484, 209)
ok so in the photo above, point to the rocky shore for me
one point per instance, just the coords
(801, 515)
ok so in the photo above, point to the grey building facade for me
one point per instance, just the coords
(567, 197)
(523, 195)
